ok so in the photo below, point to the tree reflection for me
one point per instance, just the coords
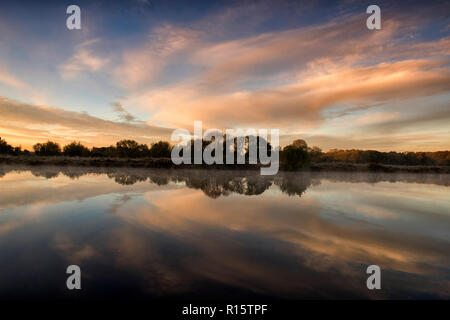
(160, 180)
(126, 179)
(292, 185)
(216, 183)
(43, 172)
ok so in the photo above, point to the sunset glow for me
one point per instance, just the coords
(312, 70)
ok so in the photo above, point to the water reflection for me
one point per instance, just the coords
(215, 183)
(153, 233)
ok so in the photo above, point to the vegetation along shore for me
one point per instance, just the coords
(296, 156)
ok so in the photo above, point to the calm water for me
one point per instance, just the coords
(139, 234)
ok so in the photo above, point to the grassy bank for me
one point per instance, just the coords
(167, 163)
(108, 162)
(351, 167)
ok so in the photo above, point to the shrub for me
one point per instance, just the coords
(294, 158)
(104, 152)
(5, 148)
(160, 149)
(130, 148)
(76, 149)
(48, 148)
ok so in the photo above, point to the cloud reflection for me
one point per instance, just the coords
(207, 234)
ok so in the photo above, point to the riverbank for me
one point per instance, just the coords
(371, 167)
(167, 163)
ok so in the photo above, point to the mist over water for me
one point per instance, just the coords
(166, 234)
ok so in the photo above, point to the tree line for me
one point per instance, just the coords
(123, 148)
(440, 158)
(295, 156)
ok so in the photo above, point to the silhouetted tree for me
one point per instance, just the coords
(315, 154)
(389, 158)
(295, 156)
(160, 149)
(76, 149)
(299, 144)
(104, 152)
(17, 150)
(5, 148)
(292, 157)
(48, 148)
(132, 149)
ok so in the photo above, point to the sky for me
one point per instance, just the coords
(139, 69)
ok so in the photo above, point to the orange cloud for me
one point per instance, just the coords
(300, 104)
(83, 60)
(142, 65)
(287, 79)
(27, 124)
(10, 80)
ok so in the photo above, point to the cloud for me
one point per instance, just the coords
(382, 142)
(436, 118)
(301, 104)
(289, 78)
(235, 68)
(83, 60)
(289, 233)
(22, 120)
(10, 80)
(142, 65)
(123, 114)
(71, 251)
(342, 41)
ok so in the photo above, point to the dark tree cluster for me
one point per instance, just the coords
(441, 158)
(76, 149)
(233, 144)
(48, 148)
(6, 148)
(295, 156)
(123, 148)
